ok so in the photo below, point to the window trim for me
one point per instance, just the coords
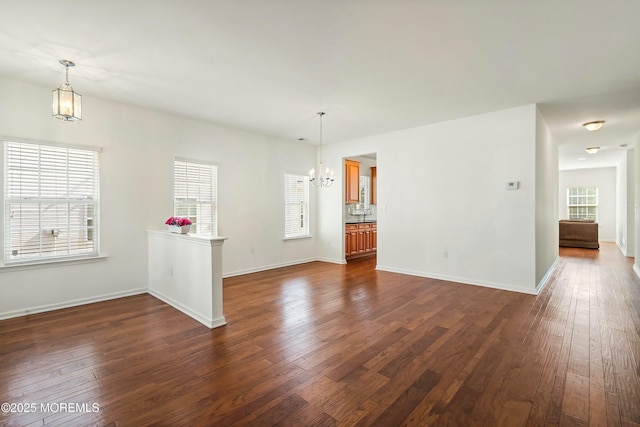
(49, 261)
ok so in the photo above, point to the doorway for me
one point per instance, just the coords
(360, 206)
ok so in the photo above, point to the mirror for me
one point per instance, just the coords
(365, 183)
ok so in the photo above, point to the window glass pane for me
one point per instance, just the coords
(51, 202)
(582, 203)
(195, 195)
(296, 206)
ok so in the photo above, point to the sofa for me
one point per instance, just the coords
(579, 233)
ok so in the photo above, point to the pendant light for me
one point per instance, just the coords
(67, 104)
(325, 176)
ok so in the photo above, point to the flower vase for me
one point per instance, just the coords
(179, 229)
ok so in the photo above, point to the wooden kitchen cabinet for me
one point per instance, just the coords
(351, 239)
(352, 181)
(374, 237)
(360, 239)
(374, 185)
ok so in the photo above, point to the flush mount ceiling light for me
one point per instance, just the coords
(325, 177)
(593, 126)
(67, 104)
(592, 150)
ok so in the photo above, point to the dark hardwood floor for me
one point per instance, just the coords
(322, 345)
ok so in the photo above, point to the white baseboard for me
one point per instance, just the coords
(332, 260)
(205, 320)
(624, 251)
(546, 277)
(72, 303)
(465, 281)
(267, 267)
(636, 270)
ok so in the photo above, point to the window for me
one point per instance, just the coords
(296, 206)
(195, 195)
(582, 202)
(51, 200)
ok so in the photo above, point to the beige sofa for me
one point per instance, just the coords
(575, 233)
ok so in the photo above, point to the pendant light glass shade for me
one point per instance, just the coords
(67, 104)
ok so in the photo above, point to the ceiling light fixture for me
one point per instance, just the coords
(67, 104)
(325, 177)
(593, 126)
(592, 150)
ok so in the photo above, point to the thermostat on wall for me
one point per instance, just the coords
(513, 185)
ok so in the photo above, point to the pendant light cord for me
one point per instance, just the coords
(321, 114)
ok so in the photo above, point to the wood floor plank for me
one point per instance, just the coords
(341, 345)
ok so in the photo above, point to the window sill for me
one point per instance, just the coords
(306, 236)
(32, 265)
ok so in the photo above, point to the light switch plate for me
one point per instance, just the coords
(513, 185)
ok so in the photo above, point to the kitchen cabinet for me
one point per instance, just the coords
(352, 181)
(361, 239)
(374, 185)
(374, 237)
(351, 240)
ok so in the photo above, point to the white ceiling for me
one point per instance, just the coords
(374, 66)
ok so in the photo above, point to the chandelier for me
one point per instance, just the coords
(325, 176)
(67, 104)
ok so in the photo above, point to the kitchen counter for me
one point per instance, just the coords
(361, 222)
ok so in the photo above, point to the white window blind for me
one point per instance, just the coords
(296, 205)
(195, 192)
(582, 203)
(51, 199)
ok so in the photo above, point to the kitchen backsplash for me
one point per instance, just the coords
(349, 207)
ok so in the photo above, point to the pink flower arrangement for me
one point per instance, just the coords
(176, 220)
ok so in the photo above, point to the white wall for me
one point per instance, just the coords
(632, 184)
(443, 207)
(547, 238)
(136, 191)
(625, 173)
(605, 180)
(636, 181)
(621, 204)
